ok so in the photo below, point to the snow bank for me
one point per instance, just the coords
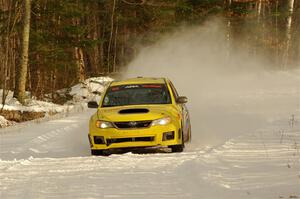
(90, 89)
(32, 106)
(4, 122)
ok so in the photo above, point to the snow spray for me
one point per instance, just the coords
(229, 92)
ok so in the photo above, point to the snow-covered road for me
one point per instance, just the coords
(57, 138)
(246, 144)
(51, 160)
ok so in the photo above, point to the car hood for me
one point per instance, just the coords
(136, 112)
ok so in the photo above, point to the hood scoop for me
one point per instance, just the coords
(134, 110)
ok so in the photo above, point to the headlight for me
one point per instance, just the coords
(161, 122)
(103, 124)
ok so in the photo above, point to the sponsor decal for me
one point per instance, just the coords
(152, 86)
(115, 88)
(131, 86)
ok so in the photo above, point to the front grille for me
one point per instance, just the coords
(132, 139)
(132, 124)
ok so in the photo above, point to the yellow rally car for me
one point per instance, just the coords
(139, 112)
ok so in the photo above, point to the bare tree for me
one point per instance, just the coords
(111, 34)
(22, 69)
(288, 33)
(4, 71)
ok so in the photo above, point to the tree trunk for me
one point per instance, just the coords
(111, 35)
(22, 70)
(228, 33)
(4, 72)
(288, 34)
(115, 49)
(80, 64)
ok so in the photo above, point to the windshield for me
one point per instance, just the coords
(135, 94)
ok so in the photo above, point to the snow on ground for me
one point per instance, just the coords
(4, 122)
(86, 88)
(256, 155)
(80, 92)
(53, 161)
(33, 106)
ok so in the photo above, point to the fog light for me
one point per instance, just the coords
(168, 136)
(99, 140)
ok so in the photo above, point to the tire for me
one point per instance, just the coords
(98, 152)
(178, 148)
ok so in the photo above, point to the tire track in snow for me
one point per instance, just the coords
(232, 169)
(243, 167)
(49, 139)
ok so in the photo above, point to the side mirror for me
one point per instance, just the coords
(92, 104)
(181, 100)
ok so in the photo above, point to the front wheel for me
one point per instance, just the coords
(178, 148)
(98, 152)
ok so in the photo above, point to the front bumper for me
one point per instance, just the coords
(113, 138)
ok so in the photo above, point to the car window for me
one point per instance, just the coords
(136, 94)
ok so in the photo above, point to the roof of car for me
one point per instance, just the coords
(139, 80)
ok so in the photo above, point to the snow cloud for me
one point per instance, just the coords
(229, 92)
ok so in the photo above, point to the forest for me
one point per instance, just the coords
(46, 45)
